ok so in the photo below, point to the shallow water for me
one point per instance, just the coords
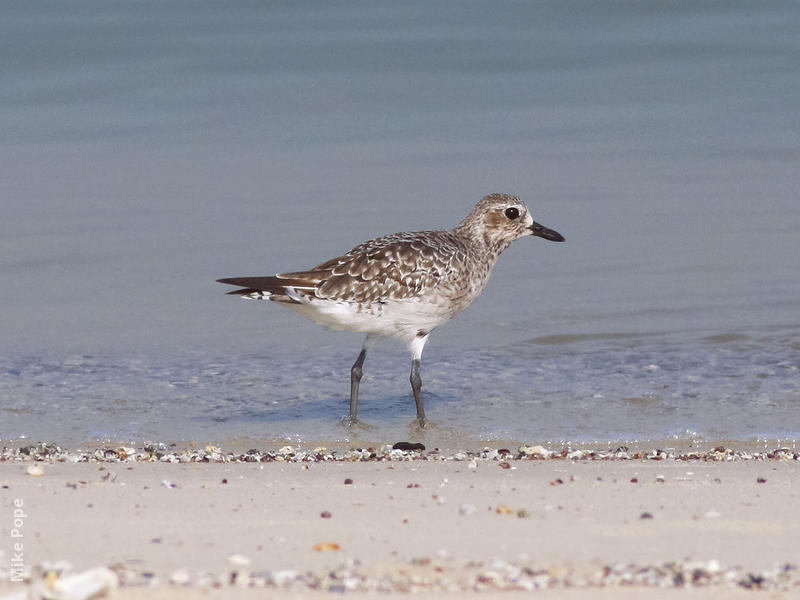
(557, 389)
(152, 148)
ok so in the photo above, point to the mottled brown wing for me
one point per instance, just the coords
(390, 268)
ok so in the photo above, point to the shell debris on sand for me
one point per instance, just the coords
(441, 574)
(97, 582)
(453, 575)
(50, 453)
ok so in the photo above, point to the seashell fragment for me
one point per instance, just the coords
(537, 451)
(281, 577)
(93, 583)
(123, 453)
(322, 546)
(180, 577)
(35, 470)
(239, 560)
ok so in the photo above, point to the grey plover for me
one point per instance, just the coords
(402, 285)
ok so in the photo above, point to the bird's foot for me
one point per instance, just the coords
(421, 423)
(353, 422)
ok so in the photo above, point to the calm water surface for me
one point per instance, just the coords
(150, 148)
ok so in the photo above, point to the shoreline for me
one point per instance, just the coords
(371, 521)
(399, 451)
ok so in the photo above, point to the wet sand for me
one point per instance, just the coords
(712, 526)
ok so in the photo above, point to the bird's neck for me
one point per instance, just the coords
(481, 239)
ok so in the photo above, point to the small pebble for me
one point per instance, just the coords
(348, 481)
(408, 446)
(325, 514)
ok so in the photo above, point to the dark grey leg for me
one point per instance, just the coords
(416, 387)
(355, 379)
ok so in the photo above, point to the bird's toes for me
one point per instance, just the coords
(420, 424)
(354, 423)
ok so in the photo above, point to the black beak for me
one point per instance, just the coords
(544, 232)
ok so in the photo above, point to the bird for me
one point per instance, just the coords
(402, 285)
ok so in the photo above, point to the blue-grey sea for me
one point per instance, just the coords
(149, 148)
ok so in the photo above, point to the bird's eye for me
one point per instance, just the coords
(512, 212)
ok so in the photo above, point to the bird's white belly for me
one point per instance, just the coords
(404, 319)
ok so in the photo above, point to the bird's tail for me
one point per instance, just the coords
(284, 287)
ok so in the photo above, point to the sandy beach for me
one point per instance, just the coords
(568, 524)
